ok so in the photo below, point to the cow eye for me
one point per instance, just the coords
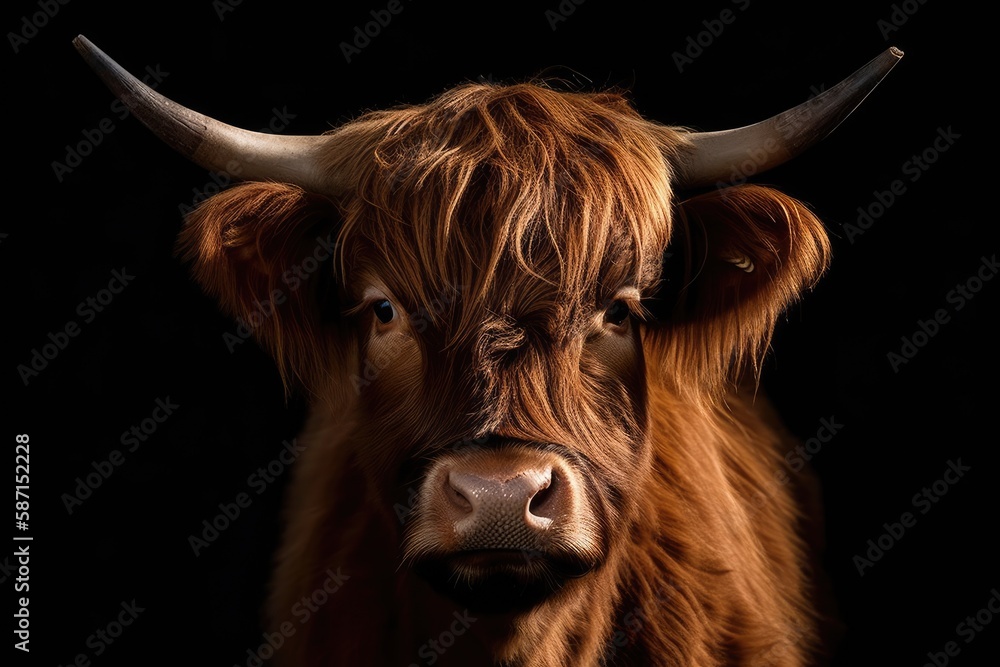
(384, 311)
(616, 313)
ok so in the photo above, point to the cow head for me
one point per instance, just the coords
(477, 293)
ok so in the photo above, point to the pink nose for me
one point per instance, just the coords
(503, 510)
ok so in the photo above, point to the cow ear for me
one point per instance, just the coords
(266, 252)
(738, 257)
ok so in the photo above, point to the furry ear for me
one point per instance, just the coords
(265, 251)
(738, 257)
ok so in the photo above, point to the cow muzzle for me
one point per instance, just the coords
(503, 528)
(490, 510)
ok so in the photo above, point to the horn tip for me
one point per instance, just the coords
(898, 53)
(87, 49)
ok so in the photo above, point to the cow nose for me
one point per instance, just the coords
(499, 511)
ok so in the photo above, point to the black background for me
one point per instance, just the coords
(162, 338)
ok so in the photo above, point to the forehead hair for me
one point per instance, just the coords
(506, 192)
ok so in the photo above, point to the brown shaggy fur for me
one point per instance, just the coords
(502, 221)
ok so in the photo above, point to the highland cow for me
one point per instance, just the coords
(534, 438)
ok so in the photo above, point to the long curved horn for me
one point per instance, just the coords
(717, 156)
(213, 144)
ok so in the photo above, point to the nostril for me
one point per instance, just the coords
(455, 494)
(542, 504)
